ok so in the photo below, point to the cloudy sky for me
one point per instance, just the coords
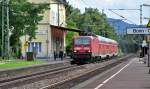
(132, 16)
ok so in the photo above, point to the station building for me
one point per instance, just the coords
(50, 35)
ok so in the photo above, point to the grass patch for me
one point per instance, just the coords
(18, 63)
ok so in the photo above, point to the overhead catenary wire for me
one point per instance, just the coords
(93, 4)
(123, 9)
(122, 16)
(85, 3)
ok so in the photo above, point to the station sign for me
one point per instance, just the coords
(41, 32)
(26, 44)
(138, 31)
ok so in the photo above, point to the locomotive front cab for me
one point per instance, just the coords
(82, 48)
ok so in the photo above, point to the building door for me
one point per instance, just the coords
(57, 40)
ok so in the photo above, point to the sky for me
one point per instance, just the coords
(132, 16)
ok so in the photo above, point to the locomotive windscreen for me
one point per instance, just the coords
(82, 40)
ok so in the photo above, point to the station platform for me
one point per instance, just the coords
(132, 74)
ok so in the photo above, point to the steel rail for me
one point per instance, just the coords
(80, 78)
(10, 82)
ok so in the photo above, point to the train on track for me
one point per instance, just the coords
(88, 49)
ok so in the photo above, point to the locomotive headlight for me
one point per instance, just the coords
(89, 51)
(75, 51)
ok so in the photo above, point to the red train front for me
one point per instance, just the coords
(90, 49)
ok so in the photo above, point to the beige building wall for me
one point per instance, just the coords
(43, 41)
(54, 8)
(42, 37)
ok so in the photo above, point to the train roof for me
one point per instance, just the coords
(85, 36)
(101, 39)
(104, 39)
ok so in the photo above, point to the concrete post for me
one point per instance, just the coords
(148, 61)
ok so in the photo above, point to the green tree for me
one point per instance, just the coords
(130, 43)
(24, 17)
(96, 22)
(73, 15)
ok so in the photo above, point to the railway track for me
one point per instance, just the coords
(70, 82)
(5, 73)
(18, 81)
(25, 79)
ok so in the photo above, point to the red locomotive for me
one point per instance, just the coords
(90, 49)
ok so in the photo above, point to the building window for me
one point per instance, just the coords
(35, 46)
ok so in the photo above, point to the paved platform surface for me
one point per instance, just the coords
(129, 75)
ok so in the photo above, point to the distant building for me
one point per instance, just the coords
(50, 35)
